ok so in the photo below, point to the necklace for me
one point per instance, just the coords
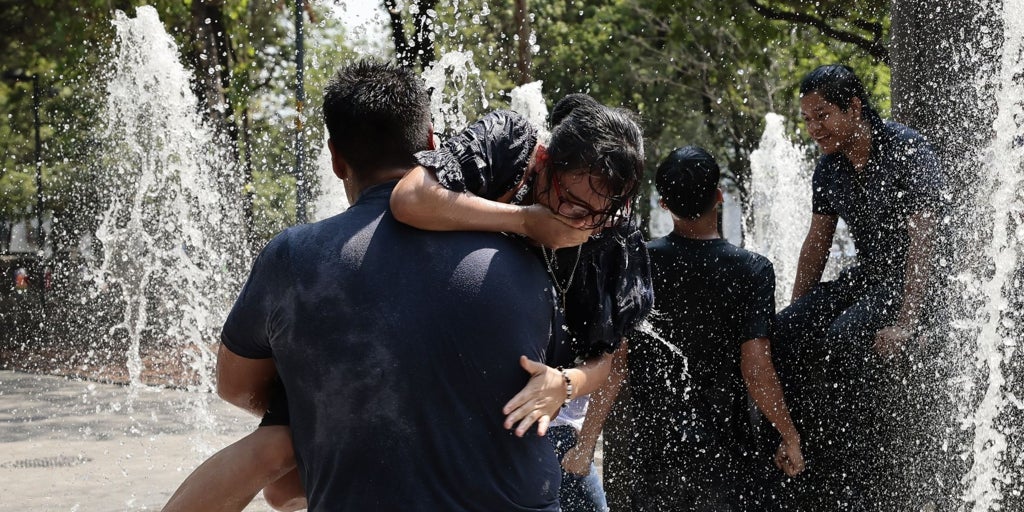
(552, 264)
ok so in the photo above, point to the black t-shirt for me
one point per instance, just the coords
(687, 391)
(398, 349)
(902, 177)
(610, 290)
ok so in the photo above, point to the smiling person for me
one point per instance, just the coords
(836, 338)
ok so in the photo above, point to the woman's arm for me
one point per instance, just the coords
(578, 459)
(419, 200)
(547, 390)
(814, 253)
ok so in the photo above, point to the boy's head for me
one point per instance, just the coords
(687, 181)
(377, 116)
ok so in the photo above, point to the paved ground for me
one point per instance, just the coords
(68, 445)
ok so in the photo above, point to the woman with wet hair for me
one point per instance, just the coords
(570, 198)
(834, 340)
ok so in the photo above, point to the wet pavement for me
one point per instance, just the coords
(71, 445)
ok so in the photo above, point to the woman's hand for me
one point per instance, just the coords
(577, 460)
(538, 402)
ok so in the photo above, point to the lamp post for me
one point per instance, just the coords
(22, 76)
(301, 186)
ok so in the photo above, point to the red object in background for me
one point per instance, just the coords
(48, 279)
(21, 279)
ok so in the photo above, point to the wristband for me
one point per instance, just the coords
(568, 386)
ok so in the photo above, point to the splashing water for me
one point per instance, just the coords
(171, 234)
(780, 208)
(998, 196)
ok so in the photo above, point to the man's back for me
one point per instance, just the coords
(398, 349)
(685, 375)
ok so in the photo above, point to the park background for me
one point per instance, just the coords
(78, 301)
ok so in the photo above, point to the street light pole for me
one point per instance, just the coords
(21, 76)
(301, 186)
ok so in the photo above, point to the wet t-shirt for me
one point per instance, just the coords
(687, 392)
(902, 177)
(398, 349)
(609, 289)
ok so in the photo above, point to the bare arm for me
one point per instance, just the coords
(577, 460)
(766, 391)
(545, 393)
(814, 253)
(419, 200)
(244, 382)
(921, 230)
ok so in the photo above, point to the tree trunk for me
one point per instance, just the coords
(523, 58)
(212, 60)
(942, 57)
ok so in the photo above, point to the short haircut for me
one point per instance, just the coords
(607, 143)
(687, 181)
(838, 85)
(377, 115)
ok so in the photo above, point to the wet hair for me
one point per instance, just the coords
(567, 104)
(377, 115)
(838, 85)
(687, 181)
(604, 142)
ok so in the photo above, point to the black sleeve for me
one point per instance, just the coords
(248, 328)
(489, 158)
(613, 293)
(759, 313)
(923, 177)
(819, 186)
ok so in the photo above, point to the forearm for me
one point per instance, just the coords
(590, 375)
(419, 200)
(918, 268)
(602, 400)
(765, 389)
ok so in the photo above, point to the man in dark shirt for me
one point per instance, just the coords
(707, 349)
(396, 346)
(884, 181)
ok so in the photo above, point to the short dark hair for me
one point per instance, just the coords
(605, 142)
(687, 181)
(377, 115)
(838, 85)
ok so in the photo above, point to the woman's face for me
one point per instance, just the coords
(578, 195)
(830, 126)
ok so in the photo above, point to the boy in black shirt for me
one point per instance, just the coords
(707, 349)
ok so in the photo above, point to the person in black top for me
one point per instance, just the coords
(884, 181)
(706, 350)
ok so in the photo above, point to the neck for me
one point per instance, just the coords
(704, 227)
(355, 185)
(859, 150)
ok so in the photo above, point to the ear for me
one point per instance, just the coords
(855, 106)
(431, 140)
(338, 164)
